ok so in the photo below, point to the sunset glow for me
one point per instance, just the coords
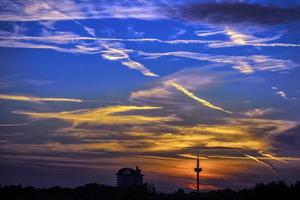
(89, 87)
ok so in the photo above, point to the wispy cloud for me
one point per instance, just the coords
(261, 162)
(281, 93)
(268, 155)
(178, 33)
(157, 94)
(36, 99)
(121, 54)
(83, 48)
(141, 133)
(112, 53)
(243, 38)
(111, 115)
(138, 66)
(237, 38)
(72, 43)
(205, 33)
(245, 64)
(191, 95)
(275, 126)
(52, 11)
(13, 125)
(161, 93)
(259, 112)
(84, 45)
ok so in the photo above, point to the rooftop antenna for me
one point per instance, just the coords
(137, 165)
(198, 169)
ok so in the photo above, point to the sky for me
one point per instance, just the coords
(88, 87)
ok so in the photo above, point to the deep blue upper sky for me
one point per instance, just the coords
(87, 87)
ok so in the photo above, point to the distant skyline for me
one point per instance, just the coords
(88, 87)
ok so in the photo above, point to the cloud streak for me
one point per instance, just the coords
(281, 93)
(117, 54)
(13, 125)
(191, 95)
(249, 41)
(52, 10)
(268, 155)
(259, 112)
(245, 39)
(244, 64)
(37, 99)
(261, 162)
(111, 115)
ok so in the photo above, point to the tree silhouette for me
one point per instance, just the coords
(93, 191)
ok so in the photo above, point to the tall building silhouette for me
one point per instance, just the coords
(128, 177)
(198, 169)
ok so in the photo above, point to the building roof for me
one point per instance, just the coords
(126, 171)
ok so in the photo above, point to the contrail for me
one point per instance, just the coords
(261, 162)
(122, 56)
(113, 53)
(90, 31)
(272, 156)
(190, 94)
(36, 99)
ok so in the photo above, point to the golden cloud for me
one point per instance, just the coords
(144, 136)
(103, 116)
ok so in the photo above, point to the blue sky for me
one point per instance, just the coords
(87, 87)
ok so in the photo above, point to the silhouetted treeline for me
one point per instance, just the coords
(273, 190)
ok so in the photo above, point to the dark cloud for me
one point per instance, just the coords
(230, 13)
(290, 140)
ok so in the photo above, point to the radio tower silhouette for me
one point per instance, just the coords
(198, 170)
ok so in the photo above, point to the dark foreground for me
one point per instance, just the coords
(278, 190)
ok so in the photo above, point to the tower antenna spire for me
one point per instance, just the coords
(198, 169)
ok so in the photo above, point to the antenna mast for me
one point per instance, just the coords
(198, 169)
